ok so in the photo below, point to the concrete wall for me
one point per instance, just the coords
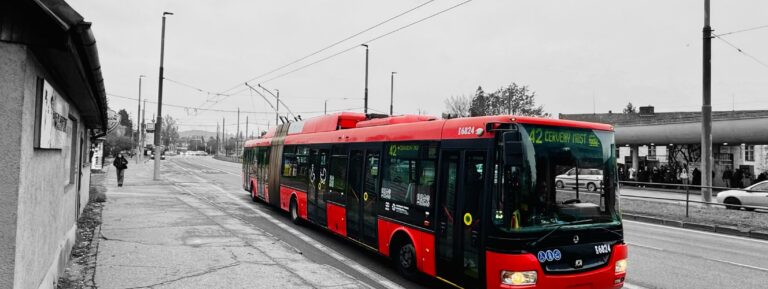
(46, 203)
(12, 75)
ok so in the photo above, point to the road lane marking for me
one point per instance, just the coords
(697, 231)
(633, 286)
(383, 281)
(701, 257)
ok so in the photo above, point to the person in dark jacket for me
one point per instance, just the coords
(120, 164)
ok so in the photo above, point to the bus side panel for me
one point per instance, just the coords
(301, 200)
(604, 277)
(285, 197)
(336, 216)
(423, 242)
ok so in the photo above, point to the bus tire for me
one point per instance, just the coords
(294, 211)
(405, 259)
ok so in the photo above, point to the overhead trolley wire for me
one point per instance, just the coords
(333, 44)
(369, 41)
(742, 51)
(743, 30)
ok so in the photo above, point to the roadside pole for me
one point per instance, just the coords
(706, 111)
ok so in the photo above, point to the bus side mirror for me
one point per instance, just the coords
(514, 151)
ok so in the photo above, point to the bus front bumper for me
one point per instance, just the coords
(605, 277)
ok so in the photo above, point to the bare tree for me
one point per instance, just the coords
(457, 106)
(630, 108)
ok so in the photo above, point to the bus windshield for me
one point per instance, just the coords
(567, 176)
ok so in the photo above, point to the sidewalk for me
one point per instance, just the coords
(155, 235)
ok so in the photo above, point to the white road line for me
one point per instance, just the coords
(705, 258)
(632, 286)
(697, 231)
(383, 281)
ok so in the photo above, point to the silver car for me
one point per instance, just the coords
(590, 179)
(754, 195)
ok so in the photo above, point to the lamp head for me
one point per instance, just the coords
(167, 13)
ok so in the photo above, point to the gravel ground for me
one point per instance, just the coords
(82, 264)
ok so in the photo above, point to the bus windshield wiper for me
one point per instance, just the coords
(534, 243)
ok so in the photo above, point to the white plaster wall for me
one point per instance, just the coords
(11, 94)
(46, 200)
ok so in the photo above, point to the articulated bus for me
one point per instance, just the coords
(472, 202)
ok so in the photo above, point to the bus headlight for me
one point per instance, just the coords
(518, 278)
(621, 266)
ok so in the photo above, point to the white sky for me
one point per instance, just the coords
(569, 52)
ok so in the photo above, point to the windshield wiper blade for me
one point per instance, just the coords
(534, 243)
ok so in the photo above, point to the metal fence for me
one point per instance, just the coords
(693, 188)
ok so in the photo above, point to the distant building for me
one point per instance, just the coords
(53, 105)
(739, 138)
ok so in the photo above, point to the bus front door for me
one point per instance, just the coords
(458, 229)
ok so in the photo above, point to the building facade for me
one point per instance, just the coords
(649, 139)
(53, 104)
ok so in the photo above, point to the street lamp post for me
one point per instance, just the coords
(159, 124)
(365, 109)
(139, 149)
(706, 111)
(391, 92)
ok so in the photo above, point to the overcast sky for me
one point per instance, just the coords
(569, 52)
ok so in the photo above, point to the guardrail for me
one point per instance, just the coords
(688, 200)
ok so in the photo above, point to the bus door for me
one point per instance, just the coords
(362, 193)
(462, 181)
(317, 184)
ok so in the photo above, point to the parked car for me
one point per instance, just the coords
(754, 195)
(590, 179)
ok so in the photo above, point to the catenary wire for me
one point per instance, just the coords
(333, 44)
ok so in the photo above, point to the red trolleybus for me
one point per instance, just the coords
(473, 202)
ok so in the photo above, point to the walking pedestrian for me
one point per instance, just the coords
(120, 164)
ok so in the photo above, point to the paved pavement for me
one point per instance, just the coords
(163, 235)
(199, 229)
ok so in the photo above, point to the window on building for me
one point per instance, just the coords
(652, 152)
(409, 173)
(749, 153)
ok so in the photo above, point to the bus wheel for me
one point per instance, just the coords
(405, 260)
(294, 209)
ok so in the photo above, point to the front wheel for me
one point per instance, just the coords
(405, 261)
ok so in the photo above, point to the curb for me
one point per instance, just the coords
(725, 230)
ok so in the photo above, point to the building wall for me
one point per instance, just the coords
(11, 94)
(47, 203)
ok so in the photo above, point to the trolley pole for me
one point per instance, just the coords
(159, 123)
(706, 111)
(365, 109)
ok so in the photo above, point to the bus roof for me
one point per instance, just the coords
(357, 127)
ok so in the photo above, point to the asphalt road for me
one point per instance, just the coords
(659, 256)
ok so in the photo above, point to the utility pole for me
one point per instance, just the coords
(391, 91)
(325, 106)
(246, 127)
(237, 136)
(365, 109)
(140, 126)
(159, 123)
(706, 111)
(218, 143)
(277, 107)
(224, 135)
(143, 127)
